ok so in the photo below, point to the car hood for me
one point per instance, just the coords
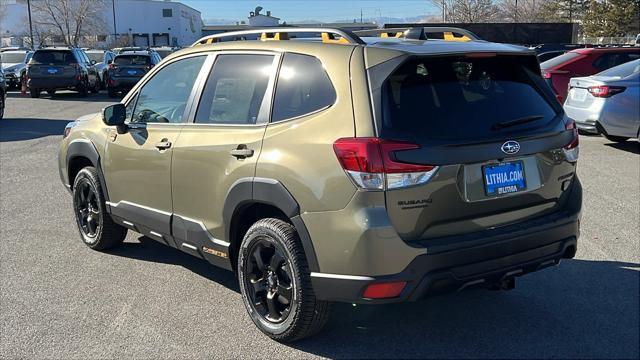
(10, 66)
(87, 117)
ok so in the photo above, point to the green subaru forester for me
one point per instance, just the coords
(323, 166)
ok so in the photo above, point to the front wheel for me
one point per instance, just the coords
(617, 139)
(97, 229)
(82, 89)
(276, 285)
(111, 92)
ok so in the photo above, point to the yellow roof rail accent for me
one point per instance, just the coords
(393, 34)
(449, 36)
(265, 36)
(329, 35)
(329, 38)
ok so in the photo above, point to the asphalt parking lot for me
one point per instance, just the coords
(59, 299)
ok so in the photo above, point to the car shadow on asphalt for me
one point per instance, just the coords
(631, 146)
(579, 309)
(27, 129)
(148, 249)
(67, 96)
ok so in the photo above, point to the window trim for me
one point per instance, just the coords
(275, 89)
(267, 102)
(133, 95)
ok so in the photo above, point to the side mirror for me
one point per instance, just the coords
(114, 115)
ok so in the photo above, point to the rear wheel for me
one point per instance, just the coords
(276, 285)
(51, 92)
(82, 89)
(35, 93)
(97, 229)
(618, 139)
(111, 92)
(96, 86)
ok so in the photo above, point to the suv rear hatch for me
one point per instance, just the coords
(474, 142)
(53, 64)
(130, 65)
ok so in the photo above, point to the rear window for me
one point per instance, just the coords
(456, 98)
(558, 60)
(132, 60)
(624, 70)
(95, 56)
(57, 57)
(13, 58)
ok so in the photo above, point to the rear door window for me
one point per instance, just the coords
(56, 57)
(462, 98)
(303, 87)
(236, 89)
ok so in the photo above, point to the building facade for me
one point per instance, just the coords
(137, 22)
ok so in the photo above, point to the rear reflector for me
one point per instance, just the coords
(384, 290)
(371, 163)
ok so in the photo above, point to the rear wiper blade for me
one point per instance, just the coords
(524, 120)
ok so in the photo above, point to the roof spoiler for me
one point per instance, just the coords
(421, 33)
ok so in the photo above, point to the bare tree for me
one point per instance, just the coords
(71, 20)
(467, 11)
(523, 10)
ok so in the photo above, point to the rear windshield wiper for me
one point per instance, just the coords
(524, 120)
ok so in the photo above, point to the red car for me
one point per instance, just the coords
(583, 62)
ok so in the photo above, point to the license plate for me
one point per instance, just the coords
(578, 94)
(52, 71)
(132, 72)
(504, 178)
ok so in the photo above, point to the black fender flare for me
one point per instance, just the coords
(271, 192)
(85, 148)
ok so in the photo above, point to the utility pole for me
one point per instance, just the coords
(360, 16)
(516, 12)
(30, 24)
(444, 11)
(115, 32)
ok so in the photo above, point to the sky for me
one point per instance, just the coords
(319, 10)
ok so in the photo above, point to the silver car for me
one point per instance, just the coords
(14, 65)
(607, 103)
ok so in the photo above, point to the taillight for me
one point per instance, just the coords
(546, 74)
(371, 163)
(604, 91)
(572, 149)
(112, 67)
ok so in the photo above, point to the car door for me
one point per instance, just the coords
(138, 161)
(219, 148)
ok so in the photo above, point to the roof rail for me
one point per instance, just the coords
(328, 35)
(420, 33)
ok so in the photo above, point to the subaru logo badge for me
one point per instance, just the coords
(510, 147)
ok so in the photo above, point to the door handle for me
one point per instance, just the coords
(164, 144)
(241, 152)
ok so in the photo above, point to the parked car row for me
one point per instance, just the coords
(51, 69)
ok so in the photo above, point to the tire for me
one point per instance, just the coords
(97, 229)
(103, 82)
(82, 89)
(96, 86)
(35, 93)
(51, 92)
(2, 101)
(617, 139)
(283, 274)
(111, 92)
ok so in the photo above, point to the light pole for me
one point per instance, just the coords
(30, 24)
(516, 12)
(115, 32)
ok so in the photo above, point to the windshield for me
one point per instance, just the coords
(456, 98)
(132, 60)
(57, 57)
(13, 58)
(95, 56)
(559, 60)
(624, 70)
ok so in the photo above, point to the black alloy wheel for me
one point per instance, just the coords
(87, 210)
(269, 281)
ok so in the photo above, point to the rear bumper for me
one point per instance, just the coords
(490, 257)
(123, 82)
(53, 83)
